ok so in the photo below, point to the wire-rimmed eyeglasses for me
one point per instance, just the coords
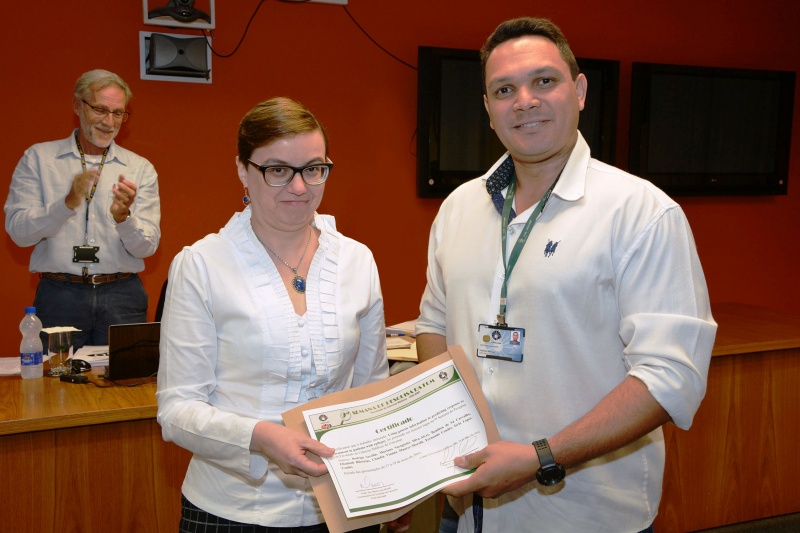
(102, 113)
(280, 175)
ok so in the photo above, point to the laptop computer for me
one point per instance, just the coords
(133, 350)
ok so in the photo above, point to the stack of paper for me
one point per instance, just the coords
(94, 355)
(9, 366)
(403, 328)
(400, 341)
(393, 343)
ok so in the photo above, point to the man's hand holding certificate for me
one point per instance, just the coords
(395, 441)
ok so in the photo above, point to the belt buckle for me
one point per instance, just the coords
(96, 282)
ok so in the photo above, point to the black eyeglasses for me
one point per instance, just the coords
(280, 175)
(102, 113)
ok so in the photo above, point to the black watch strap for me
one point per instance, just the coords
(550, 472)
(545, 455)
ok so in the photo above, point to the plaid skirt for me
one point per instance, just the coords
(195, 520)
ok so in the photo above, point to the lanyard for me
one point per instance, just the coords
(523, 237)
(90, 194)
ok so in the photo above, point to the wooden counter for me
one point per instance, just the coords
(47, 403)
(740, 460)
(747, 329)
(77, 458)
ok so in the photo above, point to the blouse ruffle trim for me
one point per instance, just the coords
(284, 383)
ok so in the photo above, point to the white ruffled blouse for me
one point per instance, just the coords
(233, 352)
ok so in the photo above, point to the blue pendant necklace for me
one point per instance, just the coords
(298, 281)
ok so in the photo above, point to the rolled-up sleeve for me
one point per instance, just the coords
(666, 325)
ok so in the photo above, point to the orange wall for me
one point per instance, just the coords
(367, 100)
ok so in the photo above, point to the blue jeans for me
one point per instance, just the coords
(90, 308)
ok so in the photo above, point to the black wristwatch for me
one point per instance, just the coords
(550, 472)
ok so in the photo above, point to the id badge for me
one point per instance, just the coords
(501, 342)
(85, 254)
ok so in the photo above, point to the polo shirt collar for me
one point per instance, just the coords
(570, 187)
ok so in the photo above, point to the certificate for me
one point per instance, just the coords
(399, 446)
(395, 441)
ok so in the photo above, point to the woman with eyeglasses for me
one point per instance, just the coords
(276, 309)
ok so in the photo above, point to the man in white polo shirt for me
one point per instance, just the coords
(597, 273)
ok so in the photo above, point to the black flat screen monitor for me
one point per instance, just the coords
(454, 140)
(711, 131)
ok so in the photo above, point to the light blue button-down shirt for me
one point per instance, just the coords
(36, 214)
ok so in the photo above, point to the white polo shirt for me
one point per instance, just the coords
(609, 284)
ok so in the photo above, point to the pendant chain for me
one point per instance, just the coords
(298, 282)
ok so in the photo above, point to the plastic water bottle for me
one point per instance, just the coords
(30, 350)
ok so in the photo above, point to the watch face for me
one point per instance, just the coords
(551, 475)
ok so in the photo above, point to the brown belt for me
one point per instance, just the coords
(94, 279)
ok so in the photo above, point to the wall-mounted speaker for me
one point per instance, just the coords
(177, 56)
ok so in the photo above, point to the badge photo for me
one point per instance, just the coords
(501, 342)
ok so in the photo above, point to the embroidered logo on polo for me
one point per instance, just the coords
(550, 249)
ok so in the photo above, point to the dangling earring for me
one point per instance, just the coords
(246, 197)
